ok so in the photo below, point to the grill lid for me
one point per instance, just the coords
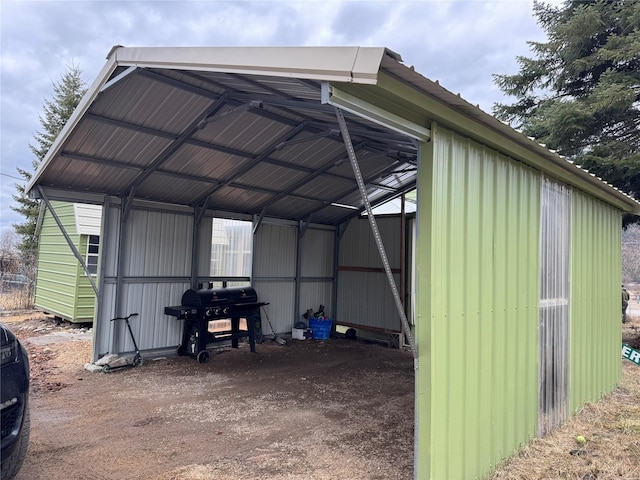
(209, 297)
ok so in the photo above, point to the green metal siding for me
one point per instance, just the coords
(85, 296)
(477, 307)
(60, 280)
(595, 365)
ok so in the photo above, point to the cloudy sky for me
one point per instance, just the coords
(459, 43)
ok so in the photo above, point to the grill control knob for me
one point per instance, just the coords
(226, 310)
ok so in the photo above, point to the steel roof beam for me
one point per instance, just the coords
(266, 191)
(258, 84)
(174, 146)
(131, 126)
(257, 220)
(221, 114)
(270, 149)
(240, 98)
(174, 82)
(385, 199)
(314, 174)
(369, 182)
(100, 161)
(288, 102)
(191, 141)
(326, 108)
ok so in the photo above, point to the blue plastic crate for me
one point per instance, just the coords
(320, 328)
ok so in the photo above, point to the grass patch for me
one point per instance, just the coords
(610, 426)
(16, 299)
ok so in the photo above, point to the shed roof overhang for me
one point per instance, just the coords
(253, 130)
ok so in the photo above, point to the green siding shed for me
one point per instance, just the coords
(62, 286)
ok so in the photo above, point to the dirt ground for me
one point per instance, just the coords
(312, 409)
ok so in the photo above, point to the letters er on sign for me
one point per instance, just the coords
(630, 354)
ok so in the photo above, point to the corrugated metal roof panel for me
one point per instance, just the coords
(169, 188)
(180, 111)
(285, 208)
(271, 177)
(571, 173)
(78, 175)
(309, 151)
(143, 101)
(109, 142)
(238, 199)
(204, 162)
(325, 188)
(203, 112)
(242, 130)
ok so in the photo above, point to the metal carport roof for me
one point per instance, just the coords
(195, 127)
(246, 130)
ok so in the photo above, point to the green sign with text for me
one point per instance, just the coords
(630, 354)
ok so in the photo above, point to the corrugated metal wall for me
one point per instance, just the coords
(595, 365)
(275, 269)
(364, 295)
(316, 271)
(476, 307)
(157, 271)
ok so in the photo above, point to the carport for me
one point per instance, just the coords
(303, 141)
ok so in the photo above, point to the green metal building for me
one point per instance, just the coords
(517, 251)
(63, 288)
(518, 301)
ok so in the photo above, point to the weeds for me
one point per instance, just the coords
(15, 298)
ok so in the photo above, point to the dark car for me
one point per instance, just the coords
(14, 403)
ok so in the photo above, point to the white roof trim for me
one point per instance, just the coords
(336, 64)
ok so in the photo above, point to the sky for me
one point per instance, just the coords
(458, 43)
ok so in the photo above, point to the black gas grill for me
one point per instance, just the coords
(199, 307)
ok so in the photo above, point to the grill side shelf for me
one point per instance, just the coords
(181, 312)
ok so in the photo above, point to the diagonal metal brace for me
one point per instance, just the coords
(73, 248)
(376, 233)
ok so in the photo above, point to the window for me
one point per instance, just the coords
(93, 249)
(231, 248)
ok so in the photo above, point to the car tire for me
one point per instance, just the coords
(11, 466)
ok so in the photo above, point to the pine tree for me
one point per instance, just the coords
(67, 93)
(580, 95)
